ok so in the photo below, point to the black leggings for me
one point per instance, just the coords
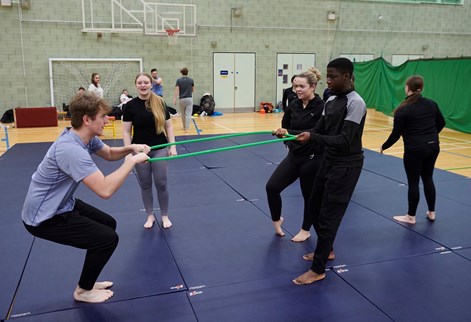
(291, 168)
(87, 228)
(420, 164)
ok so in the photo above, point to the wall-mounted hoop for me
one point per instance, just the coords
(172, 35)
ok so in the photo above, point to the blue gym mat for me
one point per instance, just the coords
(141, 266)
(15, 243)
(459, 191)
(273, 152)
(363, 237)
(433, 287)
(221, 260)
(192, 188)
(278, 299)
(237, 158)
(230, 243)
(450, 229)
(465, 252)
(168, 307)
(250, 182)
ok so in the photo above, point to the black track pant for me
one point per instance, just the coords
(420, 164)
(87, 228)
(291, 168)
(333, 188)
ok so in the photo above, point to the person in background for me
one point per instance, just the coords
(184, 88)
(419, 121)
(157, 86)
(339, 130)
(51, 211)
(124, 98)
(289, 94)
(147, 118)
(95, 86)
(303, 160)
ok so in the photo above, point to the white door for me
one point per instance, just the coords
(288, 65)
(234, 81)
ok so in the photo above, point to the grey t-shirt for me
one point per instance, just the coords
(185, 84)
(67, 162)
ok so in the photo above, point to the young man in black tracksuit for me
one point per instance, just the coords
(339, 130)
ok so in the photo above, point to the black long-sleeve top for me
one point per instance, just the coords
(299, 119)
(418, 123)
(288, 96)
(340, 129)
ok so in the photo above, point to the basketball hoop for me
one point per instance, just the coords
(172, 35)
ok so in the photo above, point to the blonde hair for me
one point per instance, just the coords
(312, 75)
(157, 106)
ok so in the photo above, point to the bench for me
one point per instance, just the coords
(35, 116)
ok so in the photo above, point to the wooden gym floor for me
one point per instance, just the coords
(455, 153)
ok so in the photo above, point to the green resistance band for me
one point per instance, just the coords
(288, 137)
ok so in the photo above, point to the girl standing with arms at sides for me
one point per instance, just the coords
(95, 85)
(418, 120)
(303, 160)
(148, 117)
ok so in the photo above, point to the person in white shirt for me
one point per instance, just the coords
(95, 85)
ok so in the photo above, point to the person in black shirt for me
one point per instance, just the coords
(339, 130)
(418, 120)
(150, 121)
(289, 94)
(303, 160)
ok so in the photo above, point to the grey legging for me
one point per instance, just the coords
(186, 108)
(158, 171)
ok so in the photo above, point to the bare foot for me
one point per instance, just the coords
(431, 215)
(277, 225)
(308, 278)
(166, 222)
(102, 285)
(150, 221)
(92, 296)
(406, 218)
(310, 256)
(301, 236)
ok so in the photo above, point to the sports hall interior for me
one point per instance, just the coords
(221, 261)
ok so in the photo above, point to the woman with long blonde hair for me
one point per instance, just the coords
(302, 160)
(147, 118)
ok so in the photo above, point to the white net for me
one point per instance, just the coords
(69, 75)
(172, 35)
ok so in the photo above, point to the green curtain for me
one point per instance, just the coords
(447, 82)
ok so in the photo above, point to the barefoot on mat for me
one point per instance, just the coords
(150, 221)
(301, 236)
(102, 285)
(277, 225)
(166, 223)
(308, 278)
(92, 296)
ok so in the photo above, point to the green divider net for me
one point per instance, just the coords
(446, 82)
(288, 137)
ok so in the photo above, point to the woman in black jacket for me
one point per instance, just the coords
(418, 120)
(303, 160)
(289, 95)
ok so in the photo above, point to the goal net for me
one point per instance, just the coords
(68, 75)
